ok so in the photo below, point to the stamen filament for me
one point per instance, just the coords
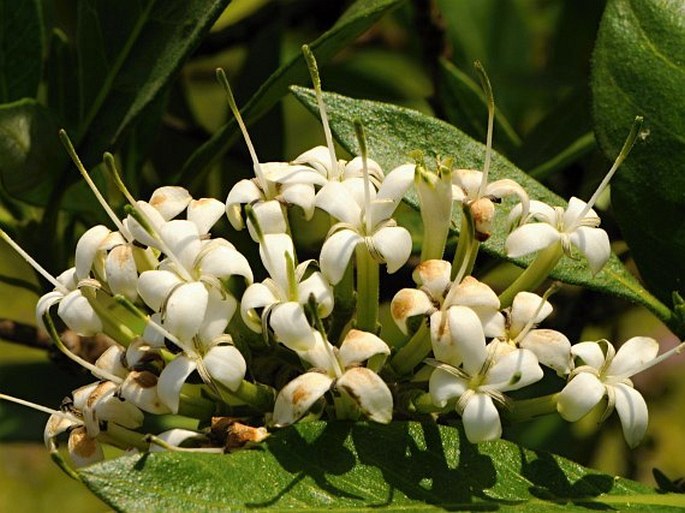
(316, 82)
(361, 138)
(29, 259)
(531, 322)
(625, 150)
(651, 363)
(96, 192)
(223, 80)
(487, 89)
(40, 408)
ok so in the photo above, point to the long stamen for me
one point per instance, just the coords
(625, 150)
(531, 322)
(680, 348)
(318, 324)
(116, 176)
(96, 192)
(96, 371)
(39, 268)
(40, 408)
(487, 89)
(361, 138)
(223, 80)
(316, 82)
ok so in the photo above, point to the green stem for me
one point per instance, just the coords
(367, 290)
(413, 352)
(536, 273)
(528, 409)
(259, 396)
(343, 309)
(467, 238)
(122, 437)
(195, 407)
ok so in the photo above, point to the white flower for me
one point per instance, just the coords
(551, 347)
(576, 226)
(436, 295)
(603, 371)
(339, 369)
(279, 300)
(482, 377)
(365, 218)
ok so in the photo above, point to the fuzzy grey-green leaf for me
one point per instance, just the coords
(393, 132)
(639, 68)
(403, 466)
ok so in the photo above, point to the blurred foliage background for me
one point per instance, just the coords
(136, 78)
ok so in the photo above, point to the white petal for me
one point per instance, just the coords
(468, 180)
(78, 315)
(68, 278)
(444, 386)
(183, 240)
(86, 249)
(226, 365)
(273, 252)
(632, 356)
(573, 210)
(204, 213)
(322, 291)
(369, 391)
(530, 238)
(222, 260)
(111, 361)
(514, 370)
(170, 201)
(358, 346)
(270, 218)
(355, 169)
(632, 410)
(336, 253)
(185, 310)
(393, 244)
(579, 396)
(481, 419)
(507, 187)
(173, 437)
(44, 304)
(474, 294)
(256, 297)
(154, 287)
(318, 157)
(295, 399)
(140, 388)
(83, 450)
(219, 312)
(552, 349)
(172, 379)
(242, 193)
(122, 274)
(151, 217)
(590, 352)
(523, 308)
(444, 347)
(434, 276)
(301, 195)
(151, 335)
(336, 199)
(408, 303)
(467, 334)
(319, 355)
(594, 244)
(291, 327)
(392, 190)
(289, 175)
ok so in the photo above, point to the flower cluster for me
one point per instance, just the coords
(195, 335)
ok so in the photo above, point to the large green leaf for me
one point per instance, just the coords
(357, 19)
(393, 132)
(639, 68)
(21, 49)
(366, 467)
(29, 149)
(128, 51)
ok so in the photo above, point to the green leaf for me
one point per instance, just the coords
(21, 49)
(29, 149)
(127, 52)
(639, 68)
(356, 20)
(367, 467)
(393, 132)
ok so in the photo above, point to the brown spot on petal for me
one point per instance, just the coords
(81, 444)
(159, 198)
(144, 379)
(483, 212)
(402, 304)
(300, 394)
(202, 201)
(431, 270)
(99, 391)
